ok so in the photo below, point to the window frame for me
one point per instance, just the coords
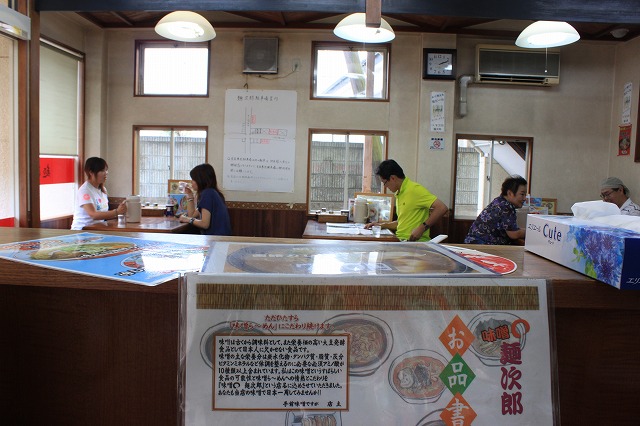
(135, 188)
(375, 181)
(341, 46)
(494, 139)
(138, 75)
(80, 57)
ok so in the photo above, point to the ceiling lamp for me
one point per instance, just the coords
(547, 34)
(366, 27)
(185, 26)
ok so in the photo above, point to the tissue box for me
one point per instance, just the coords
(603, 252)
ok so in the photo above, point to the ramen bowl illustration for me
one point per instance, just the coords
(493, 329)
(82, 251)
(370, 343)
(314, 418)
(415, 376)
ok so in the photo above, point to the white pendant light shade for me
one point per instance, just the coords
(354, 28)
(187, 26)
(547, 34)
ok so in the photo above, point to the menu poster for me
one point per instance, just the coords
(624, 140)
(341, 258)
(345, 350)
(133, 260)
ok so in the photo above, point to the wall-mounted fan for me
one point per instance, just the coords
(260, 55)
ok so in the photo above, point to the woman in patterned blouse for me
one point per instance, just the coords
(497, 223)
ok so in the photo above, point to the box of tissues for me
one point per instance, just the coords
(594, 247)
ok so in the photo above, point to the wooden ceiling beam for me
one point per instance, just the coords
(611, 11)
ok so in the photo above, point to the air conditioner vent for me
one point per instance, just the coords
(505, 64)
(260, 55)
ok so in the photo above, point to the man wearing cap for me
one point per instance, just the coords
(614, 191)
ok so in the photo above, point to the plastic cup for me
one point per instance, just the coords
(122, 221)
(375, 230)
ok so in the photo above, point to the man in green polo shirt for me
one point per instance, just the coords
(416, 207)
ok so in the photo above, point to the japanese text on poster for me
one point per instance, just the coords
(259, 140)
(626, 103)
(624, 140)
(457, 355)
(437, 112)
(280, 372)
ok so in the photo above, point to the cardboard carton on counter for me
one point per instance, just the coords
(606, 253)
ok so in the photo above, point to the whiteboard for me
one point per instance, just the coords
(259, 140)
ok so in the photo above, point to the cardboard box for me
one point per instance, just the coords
(603, 252)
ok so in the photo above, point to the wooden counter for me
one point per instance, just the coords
(78, 350)
(146, 224)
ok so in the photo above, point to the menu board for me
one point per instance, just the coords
(341, 258)
(343, 350)
(115, 257)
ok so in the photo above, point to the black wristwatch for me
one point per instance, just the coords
(191, 220)
(425, 225)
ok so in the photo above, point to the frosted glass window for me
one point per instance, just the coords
(166, 153)
(341, 164)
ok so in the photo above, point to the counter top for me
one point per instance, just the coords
(111, 348)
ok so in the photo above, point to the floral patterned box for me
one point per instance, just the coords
(606, 253)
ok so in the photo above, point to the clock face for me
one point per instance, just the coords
(440, 64)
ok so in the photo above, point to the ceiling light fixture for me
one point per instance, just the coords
(367, 27)
(619, 32)
(186, 26)
(547, 34)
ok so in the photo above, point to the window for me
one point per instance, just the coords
(163, 153)
(61, 106)
(482, 164)
(169, 68)
(350, 71)
(341, 164)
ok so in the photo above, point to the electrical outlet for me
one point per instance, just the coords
(296, 64)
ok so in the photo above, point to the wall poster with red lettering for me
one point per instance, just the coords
(350, 350)
(624, 140)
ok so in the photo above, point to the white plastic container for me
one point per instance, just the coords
(361, 211)
(134, 208)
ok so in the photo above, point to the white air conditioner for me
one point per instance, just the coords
(504, 64)
(260, 55)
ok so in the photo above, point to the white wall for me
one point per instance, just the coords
(627, 62)
(572, 125)
(569, 123)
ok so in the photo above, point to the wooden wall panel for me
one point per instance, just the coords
(268, 223)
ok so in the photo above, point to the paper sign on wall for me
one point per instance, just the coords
(259, 140)
(437, 112)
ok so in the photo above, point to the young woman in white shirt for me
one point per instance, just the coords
(92, 202)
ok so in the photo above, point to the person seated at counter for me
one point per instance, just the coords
(497, 223)
(92, 202)
(416, 207)
(206, 208)
(612, 190)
